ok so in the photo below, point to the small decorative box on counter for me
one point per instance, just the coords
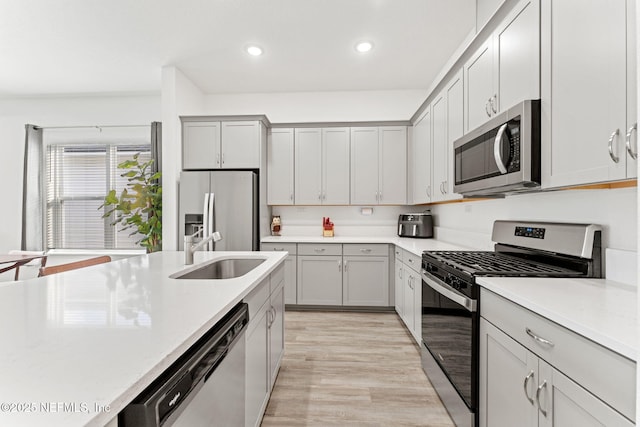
(327, 227)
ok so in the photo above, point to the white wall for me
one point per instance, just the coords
(320, 106)
(54, 111)
(615, 210)
(179, 97)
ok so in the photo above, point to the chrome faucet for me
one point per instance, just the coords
(190, 248)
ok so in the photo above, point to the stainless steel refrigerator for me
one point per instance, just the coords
(223, 201)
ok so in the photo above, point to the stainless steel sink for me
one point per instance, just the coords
(220, 269)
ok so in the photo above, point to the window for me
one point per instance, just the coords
(78, 176)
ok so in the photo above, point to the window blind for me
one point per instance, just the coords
(78, 176)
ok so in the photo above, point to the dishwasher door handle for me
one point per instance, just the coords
(216, 361)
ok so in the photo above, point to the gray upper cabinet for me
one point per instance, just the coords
(379, 165)
(421, 158)
(241, 145)
(589, 103)
(506, 68)
(322, 166)
(280, 167)
(201, 145)
(214, 144)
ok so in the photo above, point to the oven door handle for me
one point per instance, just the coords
(438, 286)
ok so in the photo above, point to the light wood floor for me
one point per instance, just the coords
(351, 369)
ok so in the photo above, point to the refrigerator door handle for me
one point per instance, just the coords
(210, 219)
(205, 214)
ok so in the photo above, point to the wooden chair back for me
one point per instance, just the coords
(42, 261)
(53, 269)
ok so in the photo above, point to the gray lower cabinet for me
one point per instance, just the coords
(264, 344)
(528, 382)
(365, 281)
(290, 268)
(320, 279)
(343, 275)
(408, 291)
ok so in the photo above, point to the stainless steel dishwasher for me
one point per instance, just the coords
(205, 387)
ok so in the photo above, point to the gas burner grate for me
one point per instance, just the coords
(494, 263)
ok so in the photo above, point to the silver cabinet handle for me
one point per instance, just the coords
(218, 159)
(291, 196)
(365, 250)
(340, 266)
(410, 282)
(223, 158)
(632, 129)
(400, 273)
(497, 152)
(486, 108)
(613, 136)
(380, 195)
(275, 313)
(346, 266)
(320, 195)
(376, 196)
(318, 249)
(444, 187)
(429, 191)
(537, 338)
(526, 387)
(324, 196)
(494, 102)
(410, 260)
(540, 387)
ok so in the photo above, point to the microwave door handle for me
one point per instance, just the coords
(497, 149)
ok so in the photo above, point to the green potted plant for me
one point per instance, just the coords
(139, 206)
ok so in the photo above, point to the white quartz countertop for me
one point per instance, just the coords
(78, 342)
(598, 309)
(415, 246)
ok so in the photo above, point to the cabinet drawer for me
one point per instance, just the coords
(398, 253)
(277, 277)
(412, 260)
(257, 297)
(277, 247)
(319, 249)
(604, 373)
(366, 249)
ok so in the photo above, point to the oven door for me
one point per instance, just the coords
(450, 334)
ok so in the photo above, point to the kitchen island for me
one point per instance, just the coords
(77, 347)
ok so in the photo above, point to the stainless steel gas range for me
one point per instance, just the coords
(451, 298)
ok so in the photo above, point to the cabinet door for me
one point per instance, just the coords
(280, 167)
(335, 166)
(478, 86)
(632, 87)
(408, 305)
(583, 91)
(276, 333)
(364, 166)
(366, 281)
(200, 145)
(320, 280)
(257, 368)
(421, 158)
(517, 47)
(508, 380)
(308, 166)
(393, 165)
(455, 128)
(440, 146)
(290, 278)
(567, 404)
(399, 288)
(241, 145)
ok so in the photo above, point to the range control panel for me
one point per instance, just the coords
(532, 232)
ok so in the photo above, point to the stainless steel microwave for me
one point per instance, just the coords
(502, 156)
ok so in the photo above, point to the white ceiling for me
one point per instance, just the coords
(119, 46)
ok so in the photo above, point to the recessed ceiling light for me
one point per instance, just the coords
(364, 46)
(254, 50)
